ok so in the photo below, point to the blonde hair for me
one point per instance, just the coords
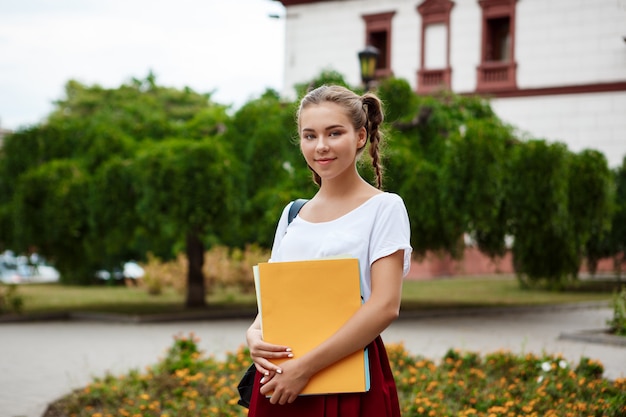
(364, 111)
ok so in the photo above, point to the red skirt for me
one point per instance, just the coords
(380, 401)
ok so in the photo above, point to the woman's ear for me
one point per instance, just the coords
(362, 138)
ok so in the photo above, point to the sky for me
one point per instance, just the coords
(230, 48)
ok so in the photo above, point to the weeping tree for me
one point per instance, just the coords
(591, 200)
(611, 243)
(476, 169)
(50, 213)
(71, 189)
(538, 199)
(186, 190)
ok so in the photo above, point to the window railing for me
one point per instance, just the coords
(429, 80)
(496, 76)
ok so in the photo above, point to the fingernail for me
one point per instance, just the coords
(267, 373)
(279, 371)
(288, 350)
(262, 380)
(290, 355)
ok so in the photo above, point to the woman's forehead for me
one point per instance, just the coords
(323, 112)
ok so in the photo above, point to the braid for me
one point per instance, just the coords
(373, 110)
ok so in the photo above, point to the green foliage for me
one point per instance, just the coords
(590, 199)
(143, 168)
(558, 201)
(272, 170)
(183, 355)
(184, 187)
(433, 227)
(113, 233)
(186, 197)
(10, 299)
(82, 222)
(611, 243)
(140, 109)
(398, 98)
(498, 384)
(475, 172)
(50, 212)
(448, 161)
(618, 321)
(538, 198)
(326, 77)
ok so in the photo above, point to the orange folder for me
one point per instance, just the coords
(302, 303)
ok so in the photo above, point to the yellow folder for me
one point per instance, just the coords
(302, 303)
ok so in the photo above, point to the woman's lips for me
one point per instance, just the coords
(324, 161)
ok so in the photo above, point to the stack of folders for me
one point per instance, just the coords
(302, 303)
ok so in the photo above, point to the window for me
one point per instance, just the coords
(378, 34)
(497, 69)
(434, 72)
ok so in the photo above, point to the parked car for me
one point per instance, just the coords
(25, 269)
(129, 270)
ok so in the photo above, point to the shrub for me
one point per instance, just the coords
(618, 322)
(223, 268)
(462, 384)
(10, 300)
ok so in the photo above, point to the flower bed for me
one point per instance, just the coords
(461, 384)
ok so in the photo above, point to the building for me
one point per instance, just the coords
(554, 69)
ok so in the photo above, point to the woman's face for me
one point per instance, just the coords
(328, 140)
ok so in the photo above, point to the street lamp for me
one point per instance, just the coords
(367, 60)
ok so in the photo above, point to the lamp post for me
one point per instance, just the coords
(367, 60)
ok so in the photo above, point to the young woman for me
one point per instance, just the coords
(346, 216)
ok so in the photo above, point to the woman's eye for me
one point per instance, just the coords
(335, 133)
(308, 136)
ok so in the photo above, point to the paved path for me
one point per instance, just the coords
(40, 362)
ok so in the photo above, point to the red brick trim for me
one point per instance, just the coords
(552, 91)
(294, 2)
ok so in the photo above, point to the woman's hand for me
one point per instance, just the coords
(262, 353)
(285, 386)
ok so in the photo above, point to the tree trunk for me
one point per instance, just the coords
(195, 278)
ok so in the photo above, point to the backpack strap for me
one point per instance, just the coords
(295, 208)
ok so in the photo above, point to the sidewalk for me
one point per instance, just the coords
(42, 361)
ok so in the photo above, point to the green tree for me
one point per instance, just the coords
(611, 243)
(591, 200)
(264, 133)
(538, 199)
(186, 189)
(50, 213)
(82, 161)
(476, 170)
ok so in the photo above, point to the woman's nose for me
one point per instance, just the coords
(322, 145)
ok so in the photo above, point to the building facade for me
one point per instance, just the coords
(554, 69)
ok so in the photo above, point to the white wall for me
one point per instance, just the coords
(465, 21)
(570, 42)
(585, 121)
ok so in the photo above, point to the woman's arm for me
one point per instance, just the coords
(364, 326)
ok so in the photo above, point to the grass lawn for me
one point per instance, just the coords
(417, 295)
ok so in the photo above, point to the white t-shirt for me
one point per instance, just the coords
(375, 229)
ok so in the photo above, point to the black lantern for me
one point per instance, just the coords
(367, 60)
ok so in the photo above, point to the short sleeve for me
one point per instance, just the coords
(391, 232)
